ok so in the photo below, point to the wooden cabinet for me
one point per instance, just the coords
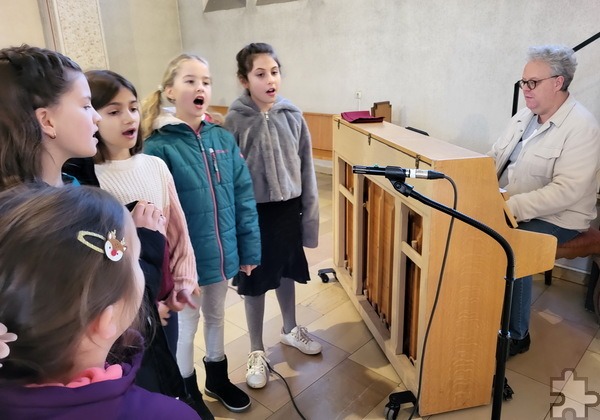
(388, 252)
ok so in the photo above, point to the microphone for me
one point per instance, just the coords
(395, 172)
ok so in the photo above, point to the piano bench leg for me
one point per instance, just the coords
(548, 277)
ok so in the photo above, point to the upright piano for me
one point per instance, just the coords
(388, 252)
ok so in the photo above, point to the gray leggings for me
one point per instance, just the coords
(212, 303)
(255, 312)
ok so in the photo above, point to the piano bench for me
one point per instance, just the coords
(583, 245)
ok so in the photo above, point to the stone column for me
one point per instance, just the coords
(74, 28)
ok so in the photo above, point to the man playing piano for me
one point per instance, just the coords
(547, 159)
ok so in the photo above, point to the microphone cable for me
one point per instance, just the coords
(288, 390)
(435, 301)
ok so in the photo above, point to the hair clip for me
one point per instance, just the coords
(113, 248)
(5, 337)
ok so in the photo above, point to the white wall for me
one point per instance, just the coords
(141, 37)
(20, 23)
(447, 66)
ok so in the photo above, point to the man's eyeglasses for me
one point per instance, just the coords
(531, 84)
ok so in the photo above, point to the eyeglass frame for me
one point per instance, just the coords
(534, 82)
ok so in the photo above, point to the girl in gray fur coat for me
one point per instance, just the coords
(275, 141)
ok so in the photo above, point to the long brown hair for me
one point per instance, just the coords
(52, 286)
(32, 78)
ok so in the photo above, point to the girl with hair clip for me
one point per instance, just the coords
(70, 286)
(46, 116)
(274, 138)
(216, 194)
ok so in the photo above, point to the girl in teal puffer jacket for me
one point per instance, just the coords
(216, 194)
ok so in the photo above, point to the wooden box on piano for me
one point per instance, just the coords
(388, 252)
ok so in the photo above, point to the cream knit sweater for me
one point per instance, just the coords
(144, 177)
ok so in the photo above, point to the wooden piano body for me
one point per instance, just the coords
(388, 253)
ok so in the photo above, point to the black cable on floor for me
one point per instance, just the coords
(288, 390)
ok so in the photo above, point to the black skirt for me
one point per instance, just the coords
(281, 246)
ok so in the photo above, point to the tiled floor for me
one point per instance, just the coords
(352, 379)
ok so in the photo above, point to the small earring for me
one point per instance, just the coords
(52, 136)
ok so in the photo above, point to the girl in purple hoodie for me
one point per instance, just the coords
(70, 288)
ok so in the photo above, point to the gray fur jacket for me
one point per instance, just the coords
(278, 150)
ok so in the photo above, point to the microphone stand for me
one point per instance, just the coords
(503, 334)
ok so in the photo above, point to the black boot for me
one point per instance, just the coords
(218, 386)
(194, 398)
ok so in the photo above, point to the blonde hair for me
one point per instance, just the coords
(151, 106)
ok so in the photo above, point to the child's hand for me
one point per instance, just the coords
(177, 301)
(163, 313)
(247, 269)
(147, 215)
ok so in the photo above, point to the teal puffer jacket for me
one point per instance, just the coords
(215, 190)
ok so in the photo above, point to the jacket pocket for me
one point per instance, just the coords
(542, 164)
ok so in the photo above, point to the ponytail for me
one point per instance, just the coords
(150, 111)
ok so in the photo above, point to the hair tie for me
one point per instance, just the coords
(113, 248)
(160, 88)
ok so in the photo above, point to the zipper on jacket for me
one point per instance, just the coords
(267, 115)
(213, 155)
(215, 207)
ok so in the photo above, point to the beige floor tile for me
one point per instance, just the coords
(342, 327)
(323, 252)
(586, 379)
(299, 370)
(199, 355)
(570, 409)
(257, 411)
(593, 413)
(371, 357)
(348, 391)
(328, 299)
(313, 287)
(539, 287)
(565, 300)
(595, 344)
(237, 352)
(232, 296)
(531, 401)
(554, 347)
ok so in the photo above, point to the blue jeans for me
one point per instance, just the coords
(521, 301)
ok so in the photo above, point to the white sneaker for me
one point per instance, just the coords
(257, 369)
(300, 339)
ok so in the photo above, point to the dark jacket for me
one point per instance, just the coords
(111, 399)
(215, 190)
